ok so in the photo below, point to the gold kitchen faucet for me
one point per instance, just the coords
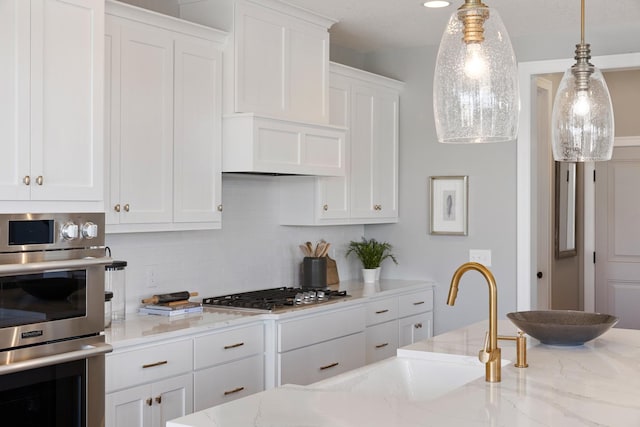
(490, 355)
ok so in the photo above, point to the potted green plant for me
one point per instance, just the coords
(371, 253)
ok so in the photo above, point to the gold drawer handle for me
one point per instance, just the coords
(322, 368)
(227, 347)
(235, 390)
(151, 365)
(159, 399)
(149, 402)
(382, 311)
(418, 325)
(382, 345)
(418, 303)
(325, 208)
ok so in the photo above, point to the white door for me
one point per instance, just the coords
(618, 236)
(172, 398)
(146, 125)
(66, 99)
(129, 408)
(385, 154)
(197, 132)
(544, 183)
(333, 191)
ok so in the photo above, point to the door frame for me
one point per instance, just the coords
(526, 287)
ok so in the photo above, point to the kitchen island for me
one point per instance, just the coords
(594, 384)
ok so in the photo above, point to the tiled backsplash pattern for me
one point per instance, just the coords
(251, 251)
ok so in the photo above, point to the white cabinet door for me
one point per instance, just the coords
(53, 100)
(172, 398)
(129, 408)
(145, 134)
(415, 328)
(381, 341)
(197, 132)
(150, 405)
(281, 64)
(374, 153)
(320, 361)
(227, 382)
(333, 192)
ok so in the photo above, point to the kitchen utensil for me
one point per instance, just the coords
(310, 248)
(172, 297)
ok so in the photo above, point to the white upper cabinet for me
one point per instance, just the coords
(276, 97)
(163, 122)
(51, 100)
(368, 105)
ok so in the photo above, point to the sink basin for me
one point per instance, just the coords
(562, 327)
(412, 375)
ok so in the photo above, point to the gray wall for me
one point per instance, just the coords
(492, 180)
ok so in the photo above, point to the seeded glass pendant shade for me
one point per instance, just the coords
(582, 120)
(475, 87)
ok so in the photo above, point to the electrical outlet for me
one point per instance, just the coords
(481, 256)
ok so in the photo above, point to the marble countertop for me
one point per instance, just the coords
(142, 329)
(596, 384)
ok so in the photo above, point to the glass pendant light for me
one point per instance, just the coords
(582, 120)
(475, 87)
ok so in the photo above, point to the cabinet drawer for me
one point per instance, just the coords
(317, 328)
(127, 368)
(317, 362)
(414, 303)
(382, 310)
(224, 383)
(216, 348)
(381, 341)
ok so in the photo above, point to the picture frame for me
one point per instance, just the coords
(449, 197)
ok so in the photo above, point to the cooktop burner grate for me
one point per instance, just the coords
(272, 299)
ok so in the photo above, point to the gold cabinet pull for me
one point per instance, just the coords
(235, 390)
(382, 311)
(149, 402)
(39, 180)
(26, 180)
(418, 325)
(126, 207)
(151, 365)
(219, 208)
(382, 345)
(117, 207)
(331, 365)
(159, 399)
(325, 208)
(227, 347)
(418, 303)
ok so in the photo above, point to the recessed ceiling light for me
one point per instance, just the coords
(436, 3)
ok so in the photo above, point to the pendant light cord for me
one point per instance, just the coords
(582, 22)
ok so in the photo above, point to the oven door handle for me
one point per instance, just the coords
(87, 351)
(54, 265)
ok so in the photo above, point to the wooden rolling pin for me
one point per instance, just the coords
(165, 298)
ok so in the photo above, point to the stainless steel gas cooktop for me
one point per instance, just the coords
(269, 300)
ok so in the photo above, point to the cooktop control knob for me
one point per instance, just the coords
(89, 230)
(69, 231)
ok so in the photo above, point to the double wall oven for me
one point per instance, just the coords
(52, 352)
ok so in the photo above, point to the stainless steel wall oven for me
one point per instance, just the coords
(51, 319)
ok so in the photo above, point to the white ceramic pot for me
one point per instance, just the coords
(369, 275)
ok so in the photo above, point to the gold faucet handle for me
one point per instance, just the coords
(484, 355)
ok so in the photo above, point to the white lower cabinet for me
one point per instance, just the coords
(228, 365)
(149, 385)
(150, 405)
(318, 346)
(320, 361)
(397, 321)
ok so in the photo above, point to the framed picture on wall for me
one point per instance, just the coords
(449, 205)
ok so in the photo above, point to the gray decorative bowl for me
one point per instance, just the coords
(562, 327)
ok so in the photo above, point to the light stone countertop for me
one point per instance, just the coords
(596, 384)
(140, 329)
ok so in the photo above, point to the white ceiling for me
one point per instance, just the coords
(367, 25)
